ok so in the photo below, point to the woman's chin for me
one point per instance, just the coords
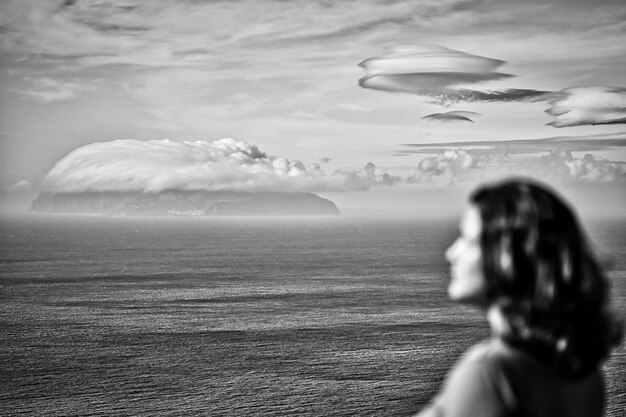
(467, 297)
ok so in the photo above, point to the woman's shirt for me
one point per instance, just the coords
(493, 379)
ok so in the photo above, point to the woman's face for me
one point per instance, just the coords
(466, 261)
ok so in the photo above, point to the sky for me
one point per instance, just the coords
(383, 106)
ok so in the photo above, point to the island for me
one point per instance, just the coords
(184, 203)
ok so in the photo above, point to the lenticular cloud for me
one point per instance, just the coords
(427, 69)
(159, 165)
(452, 116)
(589, 106)
(438, 72)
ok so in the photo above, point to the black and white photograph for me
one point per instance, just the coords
(313, 208)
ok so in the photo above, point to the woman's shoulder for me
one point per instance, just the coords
(479, 383)
(500, 360)
(491, 350)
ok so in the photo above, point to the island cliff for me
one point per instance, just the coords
(185, 203)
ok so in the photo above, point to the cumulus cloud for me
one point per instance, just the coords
(452, 166)
(599, 105)
(375, 178)
(448, 164)
(562, 158)
(588, 169)
(223, 165)
(452, 116)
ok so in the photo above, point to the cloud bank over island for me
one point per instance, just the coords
(227, 164)
(233, 165)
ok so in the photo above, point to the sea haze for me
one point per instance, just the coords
(210, 316)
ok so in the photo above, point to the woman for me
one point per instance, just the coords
(524, 259)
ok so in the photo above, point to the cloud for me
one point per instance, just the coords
(433, 70)
(427, 69)
(562, 159)
(452, 116)
(223, 165)
(20, 186)
(587, 143)
(380, 179)
(188, 32)
(454, 166)
(599, 105)
(447, 165)
(48, 90)
(449, 96)
(589, 169)
(21, 11)
(234, 165)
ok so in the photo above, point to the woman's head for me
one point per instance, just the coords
(534, 250)
(523, 251)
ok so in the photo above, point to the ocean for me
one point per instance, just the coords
(306, 316)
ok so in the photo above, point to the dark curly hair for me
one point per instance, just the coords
(543, 277)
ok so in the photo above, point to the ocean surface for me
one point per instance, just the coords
(239, 316)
